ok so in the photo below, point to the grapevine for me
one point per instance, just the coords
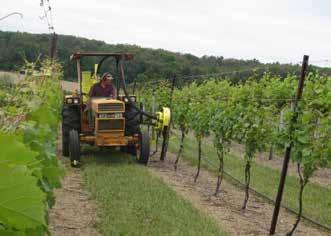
(29, 119)
(258, 115)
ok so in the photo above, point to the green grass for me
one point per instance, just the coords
(134, 202)
(317, 199)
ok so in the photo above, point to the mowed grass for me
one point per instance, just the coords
(134, 202)
(316, 201)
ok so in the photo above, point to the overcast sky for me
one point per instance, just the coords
(268, 30)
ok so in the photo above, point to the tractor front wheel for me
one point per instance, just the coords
(74, 148)
(70, 120)
(65, 142)
(143, 149)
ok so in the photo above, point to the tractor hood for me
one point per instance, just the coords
(107, 105)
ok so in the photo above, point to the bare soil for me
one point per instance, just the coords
(69, 86)
(12, 76)
(226, 208)
(74, 213)
(15, 77)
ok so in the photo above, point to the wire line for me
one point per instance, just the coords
(267, 198)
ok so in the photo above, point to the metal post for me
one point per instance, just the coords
(167, 130)
(289, 147)
(79, 76)
(119, 77)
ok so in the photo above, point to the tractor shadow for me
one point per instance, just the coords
(105, 156)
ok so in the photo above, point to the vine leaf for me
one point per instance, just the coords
(21, 200)
(11, 147)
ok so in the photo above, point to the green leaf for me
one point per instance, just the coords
(4, 232)
(303, 139)
(13, 152)
(22, 203)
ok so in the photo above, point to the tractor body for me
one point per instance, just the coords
(105, 121)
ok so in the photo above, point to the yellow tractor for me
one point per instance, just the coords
(105, 121)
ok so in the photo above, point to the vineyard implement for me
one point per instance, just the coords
(105, 121)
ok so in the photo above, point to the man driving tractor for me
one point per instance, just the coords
(104, 88)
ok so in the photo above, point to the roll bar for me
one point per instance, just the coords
(118, 56)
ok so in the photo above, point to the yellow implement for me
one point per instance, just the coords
(163, 118)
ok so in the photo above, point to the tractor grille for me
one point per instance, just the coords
(112, 107)
(111, 124)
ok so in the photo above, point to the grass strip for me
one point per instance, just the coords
(134, 202)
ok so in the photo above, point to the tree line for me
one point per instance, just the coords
(148, 64)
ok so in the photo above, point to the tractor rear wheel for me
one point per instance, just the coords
(70, 120)
(74, 148)
(132, 120)
(143, 150)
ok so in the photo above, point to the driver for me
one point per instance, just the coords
(104, 88)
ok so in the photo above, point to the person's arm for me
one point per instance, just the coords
(113, 91)
(92, 92)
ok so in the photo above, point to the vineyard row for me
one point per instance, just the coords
(257, 114)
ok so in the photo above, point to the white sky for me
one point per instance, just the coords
(268, 30)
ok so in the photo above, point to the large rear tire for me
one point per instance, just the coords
(144, 148)
(74, 148)
(70, 121)
(65, 142)
(132, 120)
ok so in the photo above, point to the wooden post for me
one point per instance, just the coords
(289, 147)
(53, 46)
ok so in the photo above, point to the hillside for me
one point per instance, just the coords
(148, 64)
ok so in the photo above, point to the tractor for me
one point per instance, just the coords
(106, 121)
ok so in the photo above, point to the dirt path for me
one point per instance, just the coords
(16, 77)
(226, 208)
(69, 86)
(74, 212)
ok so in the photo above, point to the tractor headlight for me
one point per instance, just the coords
(73, 100)
(133, 99)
